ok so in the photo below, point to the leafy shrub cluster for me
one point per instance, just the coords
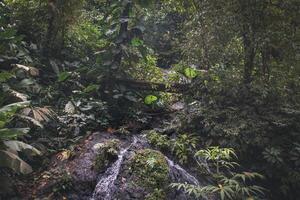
(257, 120)
(9, 147)
(182, 146)
(227, 183)
(239, 57)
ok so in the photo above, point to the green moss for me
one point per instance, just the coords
(157, 194)
(150, 169)
(107, 152)
(158, 140)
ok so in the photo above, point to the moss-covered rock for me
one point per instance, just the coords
(157, 194)
(150, 170)
(107, 153)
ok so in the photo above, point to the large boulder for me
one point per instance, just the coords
(144, 176)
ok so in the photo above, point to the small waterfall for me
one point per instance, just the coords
(181, 174)
(105, 186)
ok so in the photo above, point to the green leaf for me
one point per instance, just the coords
(91, 88)
(27, 82)
(150, 99)
(8, 111)
(8, 133)
(222, 194)
(4, 76)
(14, 162)
(136, 42)
(63, 76)
(190, 72)
(2, 124)
(14, 106)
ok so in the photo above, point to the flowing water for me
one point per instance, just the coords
(180, 174)
(105, 186)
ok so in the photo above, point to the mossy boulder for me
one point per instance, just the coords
(157, 194)
(144, 176)
(107, 153)
(150, 168)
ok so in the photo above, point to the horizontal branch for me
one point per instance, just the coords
(142, 85)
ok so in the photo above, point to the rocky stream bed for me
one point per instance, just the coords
(108, 167)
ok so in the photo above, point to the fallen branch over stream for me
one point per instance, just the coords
(151, 86)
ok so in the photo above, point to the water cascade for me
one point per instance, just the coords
(105, 185)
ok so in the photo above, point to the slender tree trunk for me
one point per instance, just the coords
(249, 55)
(247, 25)
(51, 28)
(266, 57)
(110, 78)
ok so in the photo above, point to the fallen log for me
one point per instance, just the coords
(151, 86)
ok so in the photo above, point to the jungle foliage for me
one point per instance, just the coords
(68, 68)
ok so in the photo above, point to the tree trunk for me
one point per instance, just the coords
(247, 21)
(47, 49)
(266, 57)
(249, 54)
(110, 78)
(122, 37)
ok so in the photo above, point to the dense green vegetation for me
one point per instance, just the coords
(70, 68)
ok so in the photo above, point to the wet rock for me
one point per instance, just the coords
(107, 153)
(107, 168)
(147, 174)
(106, 187)
(144, 174)
(80, 169)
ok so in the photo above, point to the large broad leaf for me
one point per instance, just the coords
(18, 146)
(9, 133)
(27, 82)
(150, 99)
(190, 72)
(8, 111)
(63, 76)
(2, 124)
(91, 88)
(14, 162)
(21, 96)
(31, 70)
(4, 76)
(14, 106)
(29, 119)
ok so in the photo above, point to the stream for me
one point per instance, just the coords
(116, 182)
(106, 186)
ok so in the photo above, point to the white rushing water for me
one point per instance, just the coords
(105, 186)
(182, 172)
